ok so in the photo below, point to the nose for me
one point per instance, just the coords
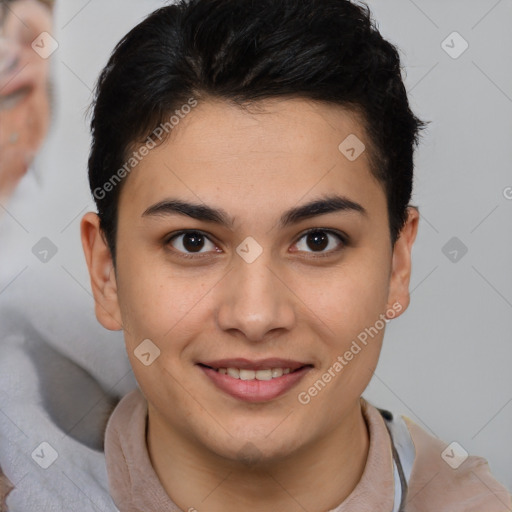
(256, 302)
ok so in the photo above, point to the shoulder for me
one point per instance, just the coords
(444, 477)
(5, 488)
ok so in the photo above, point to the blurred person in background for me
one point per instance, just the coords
(25, 97)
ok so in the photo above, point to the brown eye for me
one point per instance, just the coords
(190, 242)
(317, 240)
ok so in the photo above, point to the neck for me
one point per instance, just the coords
(318, 477)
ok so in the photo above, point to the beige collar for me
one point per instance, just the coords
(135, 486)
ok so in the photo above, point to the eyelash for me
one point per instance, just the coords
(342, 237)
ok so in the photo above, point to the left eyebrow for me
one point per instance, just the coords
(201, 212)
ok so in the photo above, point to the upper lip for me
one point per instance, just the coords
(260, 364)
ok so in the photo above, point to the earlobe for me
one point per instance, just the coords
(402, 264)
(101, 272)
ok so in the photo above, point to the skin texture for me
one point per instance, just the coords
(24, 94)
(290, 302)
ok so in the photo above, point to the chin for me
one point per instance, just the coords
(255, 451)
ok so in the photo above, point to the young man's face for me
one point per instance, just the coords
(256, 289)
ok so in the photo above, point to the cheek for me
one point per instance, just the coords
(38, 117)
(157, 302)
(351, 307)
(349, 298)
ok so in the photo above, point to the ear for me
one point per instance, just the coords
(101, 272)
(401, 263)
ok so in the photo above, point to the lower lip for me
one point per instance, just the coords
(255, 390)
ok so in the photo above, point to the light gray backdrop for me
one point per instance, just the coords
(446, 362)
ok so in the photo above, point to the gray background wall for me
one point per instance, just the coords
(446, 362)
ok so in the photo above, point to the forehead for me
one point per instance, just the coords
(279, 150)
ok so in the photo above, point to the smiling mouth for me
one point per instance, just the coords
(249, 374)
(255, 382)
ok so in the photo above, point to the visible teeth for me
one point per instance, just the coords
(233, 372)
(243, 374)
(264, 375)
(277, 372)
(247, 374)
